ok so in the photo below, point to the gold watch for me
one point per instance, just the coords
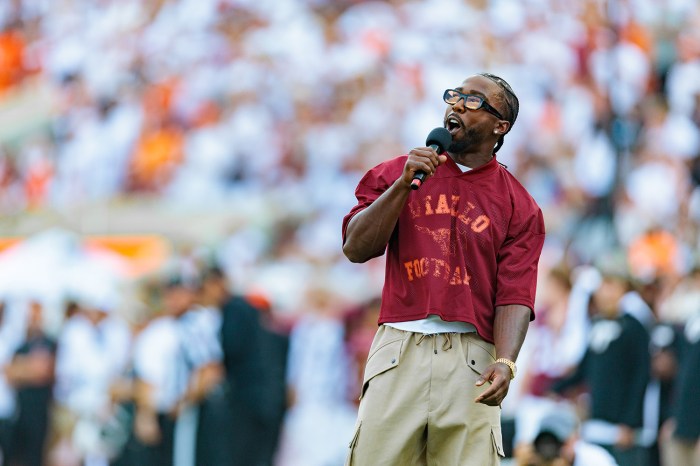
(511, 365)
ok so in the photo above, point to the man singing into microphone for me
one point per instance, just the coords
(462, 254)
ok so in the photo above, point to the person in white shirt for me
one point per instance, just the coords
(199, 329)
(93, 354)
(162, 376)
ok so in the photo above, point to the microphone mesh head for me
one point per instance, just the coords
(439, 137)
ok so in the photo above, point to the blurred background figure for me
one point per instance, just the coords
(162, 374)
(557, 443)
(31, 373)
(94, 351)
(245, 375)
(274, 350)
(7, 393)
(319, 376)
(618, 344)
(207, 393)
(681, 444)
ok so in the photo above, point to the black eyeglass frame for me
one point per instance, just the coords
(483, 104)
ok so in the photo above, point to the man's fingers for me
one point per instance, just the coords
(426, 166)
(487, 394)
(486, 375)
(426, 161)
(494, 394)
(422, 159)
(428, 153)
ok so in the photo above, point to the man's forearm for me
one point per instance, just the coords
(369, 231)
(510, 327)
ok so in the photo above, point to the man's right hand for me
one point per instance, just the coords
(423, 159)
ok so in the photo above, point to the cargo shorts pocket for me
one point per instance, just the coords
(353, 442)
(384, 358)
(479, 357)
(497, 439)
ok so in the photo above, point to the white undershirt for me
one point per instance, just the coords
(464, 168)
(433, 323)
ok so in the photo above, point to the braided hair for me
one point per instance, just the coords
(511, 101)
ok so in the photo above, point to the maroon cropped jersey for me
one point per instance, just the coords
(463, 244)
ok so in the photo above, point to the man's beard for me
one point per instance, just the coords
(471, 139)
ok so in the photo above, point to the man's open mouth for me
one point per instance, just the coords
(452, 124)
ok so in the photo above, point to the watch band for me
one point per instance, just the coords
(510, 364)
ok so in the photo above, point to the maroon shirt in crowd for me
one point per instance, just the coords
(463, 244)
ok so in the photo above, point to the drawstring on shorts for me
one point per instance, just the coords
(446, 345)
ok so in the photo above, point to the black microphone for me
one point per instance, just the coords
(438, 139)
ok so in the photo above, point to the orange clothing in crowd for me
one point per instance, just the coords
(37, 182)
(158, 98)
(12, 68)
(640, 36)
(654, 253)
(155, 157)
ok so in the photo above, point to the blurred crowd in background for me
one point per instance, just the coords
(266, 114)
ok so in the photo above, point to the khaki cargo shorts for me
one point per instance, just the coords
(417, 403)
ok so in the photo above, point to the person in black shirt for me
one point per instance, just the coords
(31, 372)
(245, 375)
(274, 350)
(664, 367)
(683, 448)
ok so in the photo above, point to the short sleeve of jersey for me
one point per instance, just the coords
(519, 256)
(373, 185)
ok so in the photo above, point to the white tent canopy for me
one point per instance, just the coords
(54, 266)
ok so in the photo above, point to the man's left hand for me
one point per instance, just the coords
(498, 374)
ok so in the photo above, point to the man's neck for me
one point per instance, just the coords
(471, 159)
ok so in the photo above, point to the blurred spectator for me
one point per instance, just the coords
(245, 375)
(12, 57)
(162, 376)
(682, 445)
(274, 350)
(199, 329)
(7, 394)
(557, 443)
(156, 156)
(31, 373)
(679, 302)
(618, 344)
(208, 385)
(93, 355)
(664, 347)
(321, 416)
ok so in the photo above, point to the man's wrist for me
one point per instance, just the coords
(403, 184)
(511, 365)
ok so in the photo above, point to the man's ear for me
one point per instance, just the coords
(501, 128)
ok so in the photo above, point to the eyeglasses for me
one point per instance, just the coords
(471, 101)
